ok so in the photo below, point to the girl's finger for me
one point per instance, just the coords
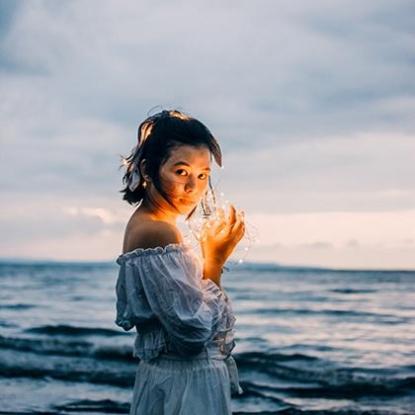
(239, 219)
(232, 216)
(240, 232)
(220, 228)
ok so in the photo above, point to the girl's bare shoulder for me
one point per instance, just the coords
(144, 232)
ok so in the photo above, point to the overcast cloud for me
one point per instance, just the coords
(312, 102)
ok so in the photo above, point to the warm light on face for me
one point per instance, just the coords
(185, 175)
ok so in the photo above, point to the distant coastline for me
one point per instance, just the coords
(247, 266)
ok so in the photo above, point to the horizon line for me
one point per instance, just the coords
(246, 264)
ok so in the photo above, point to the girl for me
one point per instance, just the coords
(182, 315)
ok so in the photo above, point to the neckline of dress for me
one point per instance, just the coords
(174, 246)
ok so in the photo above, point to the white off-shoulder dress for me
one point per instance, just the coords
(185, 333)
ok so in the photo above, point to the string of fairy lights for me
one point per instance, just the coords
(204, 214)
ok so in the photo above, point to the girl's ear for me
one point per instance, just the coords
(142, 167)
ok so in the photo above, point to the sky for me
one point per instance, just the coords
(312, 102)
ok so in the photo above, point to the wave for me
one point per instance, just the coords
(352, 291)
(16, 306)
(290, 375)
(77, 348)
(89, 405)
(67, 368)
(65, 330)
(345, 411)
(19, 412)
(67, 348)
(383, 318)
(7, 324)
(327, 380)
(125, 379)
(346, 391)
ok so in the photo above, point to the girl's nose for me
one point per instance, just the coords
(190, 185)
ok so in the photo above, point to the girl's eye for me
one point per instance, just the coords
(202, 176)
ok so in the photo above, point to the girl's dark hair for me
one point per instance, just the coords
(157, 136)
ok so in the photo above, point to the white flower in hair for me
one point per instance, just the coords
(134, 179)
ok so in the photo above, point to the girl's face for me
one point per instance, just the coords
(184, 176)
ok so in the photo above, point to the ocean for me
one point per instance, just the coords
(308, 341)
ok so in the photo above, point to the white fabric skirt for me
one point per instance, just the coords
(172, 385)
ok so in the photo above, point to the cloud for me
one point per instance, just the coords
(366, 256)
(362, 172)
(336, 229)
(318, 245)
(8, 11)
(277, 70)
(106, 216)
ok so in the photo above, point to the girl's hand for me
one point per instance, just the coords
(220, 235)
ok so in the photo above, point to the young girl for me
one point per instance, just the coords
(183, 316)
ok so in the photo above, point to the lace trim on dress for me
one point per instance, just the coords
(174, 246)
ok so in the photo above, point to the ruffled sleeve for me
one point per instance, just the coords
(166, 284)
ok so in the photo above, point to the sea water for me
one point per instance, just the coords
(308, 341)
